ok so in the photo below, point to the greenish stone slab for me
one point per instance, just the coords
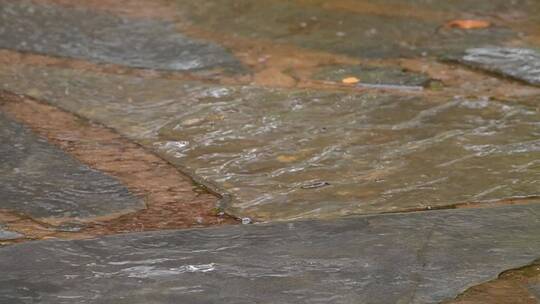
(288, 154)
(361, 33)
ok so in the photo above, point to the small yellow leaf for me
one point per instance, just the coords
(469, 24)
(350, 80)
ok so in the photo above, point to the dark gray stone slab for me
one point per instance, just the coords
(401, 258)
(521, 64)
(41, 181)
(102, 37)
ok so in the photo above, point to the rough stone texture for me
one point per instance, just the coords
(41, 181)
(422, 257)
(286, 154)
(535, 290)
(514, 286)
(8, 235)
(172, 200)
(355, 28)
(103, 37)
(372, 75)
(521, 64)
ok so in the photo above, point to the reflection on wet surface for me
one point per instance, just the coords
(41, 181)
(371, 75)
(171, 200)
(285, 154)
(386, 116)
(8, 235)
(106, 38)
(411, 258)
(521, 64)
(358, 33)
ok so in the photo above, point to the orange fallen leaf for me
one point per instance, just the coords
(469, 24)
(350, 80)
(286, 158)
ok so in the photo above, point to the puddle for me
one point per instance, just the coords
(370, 152)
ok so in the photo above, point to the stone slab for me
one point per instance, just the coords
(518, 63)
(362, 29)
(41, 181)
(416, 258)
(287, 154)
(103, 37)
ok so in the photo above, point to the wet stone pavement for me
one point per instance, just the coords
(43, 182)
(384, 151)
(401, 258)
(102, 37)
(286, 154)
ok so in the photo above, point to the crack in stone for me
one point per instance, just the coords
(421, 256)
